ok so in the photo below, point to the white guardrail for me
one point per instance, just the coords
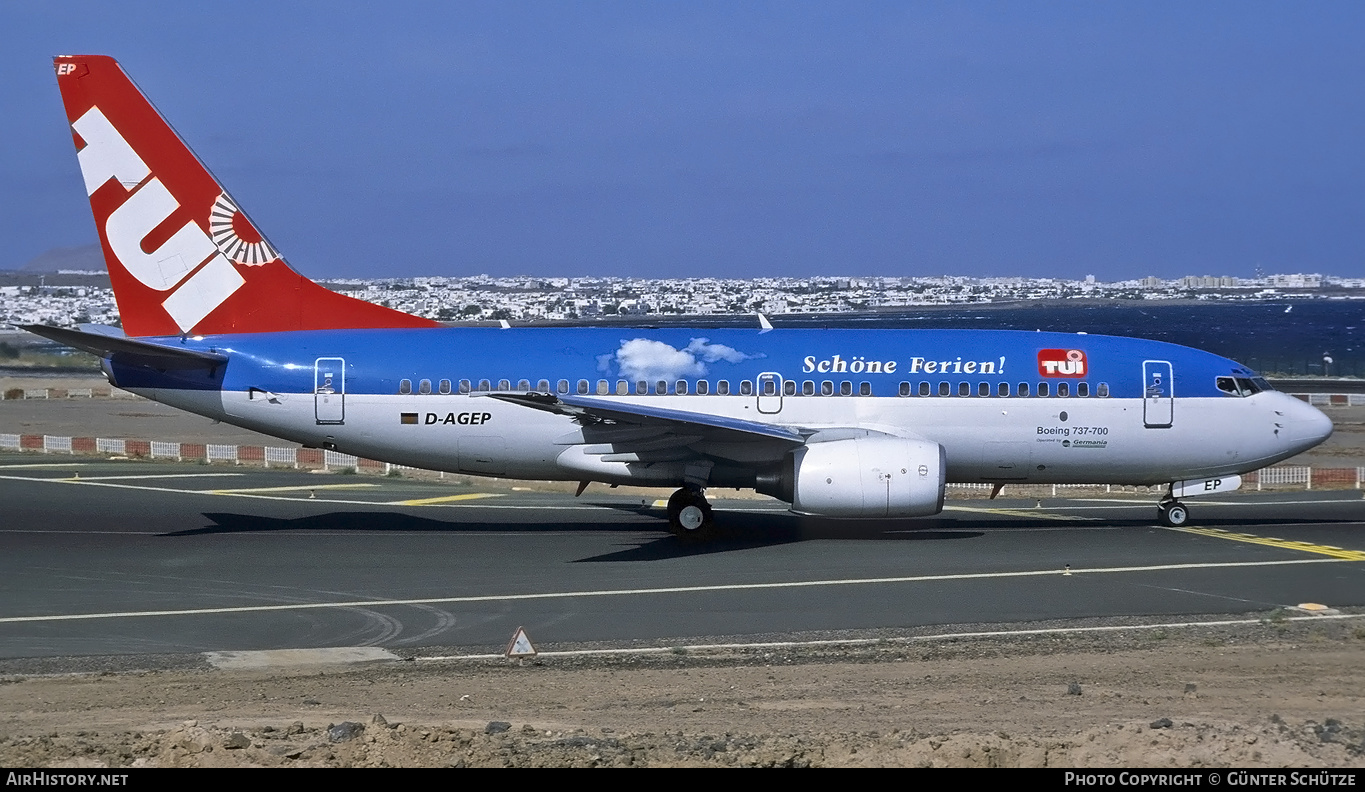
(1279, 476)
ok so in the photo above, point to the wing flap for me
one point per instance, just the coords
(684, 422)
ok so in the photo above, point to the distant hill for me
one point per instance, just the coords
(84, 257)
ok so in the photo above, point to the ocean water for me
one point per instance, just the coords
(1282, 338)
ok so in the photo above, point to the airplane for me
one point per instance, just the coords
(840, 423)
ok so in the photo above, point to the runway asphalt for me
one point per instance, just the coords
(104, 557)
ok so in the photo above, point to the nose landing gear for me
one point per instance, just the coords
(689, 516)
(1172, 513)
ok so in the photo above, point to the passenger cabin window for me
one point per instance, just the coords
(865, 389)
(905, 389)
(622, 388)
(661, 388)
(523, 385)
(808, 388)
(543, 386)
(483, 386)
(583, 387)
(1102, 390)
(444, 386)
(789, 387)
(642, 388)
(703, 387)
(769, 388)
(924, 389)
(504, 385)
(746, 388)
(405, 386)
(964, 389)
(1042, 389)
(826, 388)
(1083, 389)
(945, 389)
(680, 387)
(1003, 389)
(1022, 390)
(1063, 389)
(563, 386)
(603, 387)
(424, 386)
(845, 388)
(983, 389)
(723, 387)
(465, 386)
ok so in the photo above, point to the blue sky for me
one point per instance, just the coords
(731, 139)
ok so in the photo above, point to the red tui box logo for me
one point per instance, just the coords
(1061, 363)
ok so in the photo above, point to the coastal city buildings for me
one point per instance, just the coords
(68, 297)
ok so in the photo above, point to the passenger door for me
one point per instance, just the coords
(1158, 394)
(329, 390)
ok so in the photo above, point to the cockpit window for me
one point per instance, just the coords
(1242, 386)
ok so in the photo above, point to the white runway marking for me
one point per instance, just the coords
(664, 590)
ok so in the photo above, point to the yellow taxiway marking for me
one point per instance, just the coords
(155, 476)
(290, 489)
(444, 499)
(1030, 513)
(1307, 547)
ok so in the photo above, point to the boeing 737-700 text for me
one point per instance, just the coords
(841, 423)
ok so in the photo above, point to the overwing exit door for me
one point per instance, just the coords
(1158, 394)
(769, 392)
(329, 390)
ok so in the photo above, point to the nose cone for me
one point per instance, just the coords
(1306, 425)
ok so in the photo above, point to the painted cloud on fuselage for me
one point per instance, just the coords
(645, 359)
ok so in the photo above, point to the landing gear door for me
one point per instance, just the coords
(1158, 394)
(329, 390)
(769, 392)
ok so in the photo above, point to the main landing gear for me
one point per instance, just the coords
(689, 515)
(1172, 513)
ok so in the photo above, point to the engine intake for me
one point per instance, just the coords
(862, 477)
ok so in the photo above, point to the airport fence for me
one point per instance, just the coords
(1280, 476)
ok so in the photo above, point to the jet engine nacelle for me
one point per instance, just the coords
(869, 477)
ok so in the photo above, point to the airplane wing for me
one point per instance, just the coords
(591, 411)
(130, 350)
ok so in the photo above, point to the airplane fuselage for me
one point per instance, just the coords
(1006, 406)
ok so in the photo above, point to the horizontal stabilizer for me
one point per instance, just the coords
(142, 352)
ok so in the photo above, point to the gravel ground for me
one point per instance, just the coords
(1275, 692)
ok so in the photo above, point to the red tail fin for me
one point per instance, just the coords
(181, 255)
